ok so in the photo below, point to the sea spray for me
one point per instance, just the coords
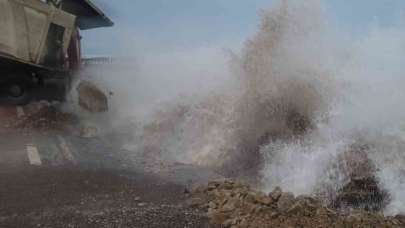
(298, 97)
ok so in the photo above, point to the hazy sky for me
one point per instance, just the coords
(164, 25)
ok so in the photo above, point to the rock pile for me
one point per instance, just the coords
(231, 204)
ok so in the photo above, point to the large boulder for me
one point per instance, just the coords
(91, 98)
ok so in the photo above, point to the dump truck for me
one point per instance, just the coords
(40, 45)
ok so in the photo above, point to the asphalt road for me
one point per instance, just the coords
(59, 179)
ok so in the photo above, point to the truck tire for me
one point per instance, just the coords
(18, 94)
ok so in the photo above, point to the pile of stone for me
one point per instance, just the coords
(231, 204)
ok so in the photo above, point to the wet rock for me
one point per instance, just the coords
(400, 219)
(323, 211)
(219, 218)
(231, 222)
(230, 205)
(213, 185)
(88, 132)
(285, 201)
(212, 205)
(198, 189)
(244, 223)
(228, 185)
(91, 98)
(276, 193)
(302, 207)
(250, 198)
(263, 199)
(274, 214)
(194, 202)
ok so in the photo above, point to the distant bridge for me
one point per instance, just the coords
(91, 61)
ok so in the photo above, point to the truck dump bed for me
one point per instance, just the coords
(88, 15)
(34, 32)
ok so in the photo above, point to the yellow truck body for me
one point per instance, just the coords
(40, 44)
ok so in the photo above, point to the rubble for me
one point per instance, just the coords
(232, 204)
(43, 116)
(88, 131)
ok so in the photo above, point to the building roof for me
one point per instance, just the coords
(89, 16)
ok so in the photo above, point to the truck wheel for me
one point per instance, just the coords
(18, 94)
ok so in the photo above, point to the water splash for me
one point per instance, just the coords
(299, 97)
(365, 108)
